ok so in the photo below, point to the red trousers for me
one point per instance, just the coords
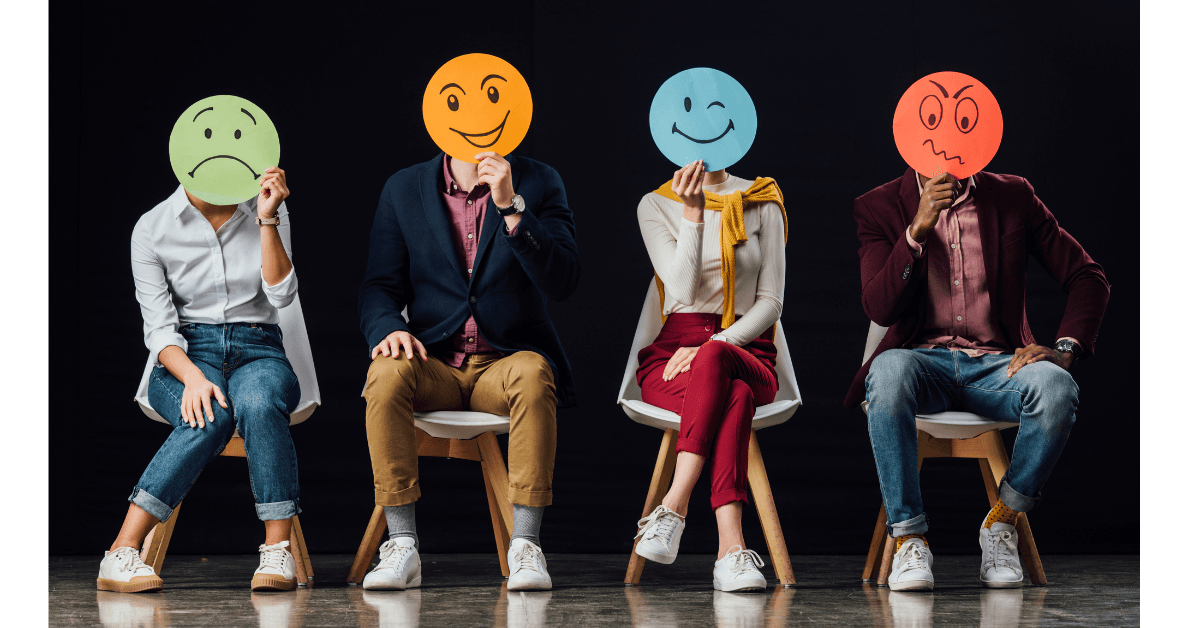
(715, 398)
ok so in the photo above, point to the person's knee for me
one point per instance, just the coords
(388, 377)
(712, 354)
(1051, 387)
(262, 401)
(893, 370)
(530, 367)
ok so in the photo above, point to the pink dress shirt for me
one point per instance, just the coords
(960, 309)
(467, 211)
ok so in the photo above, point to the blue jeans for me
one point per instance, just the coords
(905, 382)
(246, 361)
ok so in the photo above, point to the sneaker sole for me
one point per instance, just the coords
(266, 582)
(149, 584)
(738, 589)
(1003, 585)
(665, 559)
(532, 587)
(912, 585)
(415, 583)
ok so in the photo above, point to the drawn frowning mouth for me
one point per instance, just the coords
(942, 153)
(498, 131)
(192, 174)
(675, 129)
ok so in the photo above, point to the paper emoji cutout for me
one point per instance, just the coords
(703, 113)
(477, 103)
(948, 122)
(220, 148)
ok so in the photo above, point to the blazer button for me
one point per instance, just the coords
(473, 299)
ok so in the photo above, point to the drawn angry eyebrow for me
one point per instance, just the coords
(491, 76)
(956, 94)
(449, 85)
(944, 92)
(202, 111)
(251, 117)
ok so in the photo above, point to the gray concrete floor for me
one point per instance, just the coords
(467, 590)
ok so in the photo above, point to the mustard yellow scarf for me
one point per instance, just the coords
(733, 229)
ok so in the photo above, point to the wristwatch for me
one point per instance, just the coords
(518, 206)
(267, 221)
(718, 337)
(1066, 346)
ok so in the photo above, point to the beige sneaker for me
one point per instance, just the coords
(276, 569)
(123, 571)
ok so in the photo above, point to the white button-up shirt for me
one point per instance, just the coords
(184, 272)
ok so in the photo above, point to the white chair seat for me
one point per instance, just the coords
(959, 425)
(654, 416)
(460, 424)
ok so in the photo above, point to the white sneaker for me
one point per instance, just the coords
(738, 571)
(1001, 566)
(399, 566)
(660, 534)
(527, 567)
(123, 571)
(912, 567)
(276, 569)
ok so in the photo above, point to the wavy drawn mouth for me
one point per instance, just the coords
(192, 174)
(942, 153)
(498, 131)
(675, 129)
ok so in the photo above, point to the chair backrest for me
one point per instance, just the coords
(874, 336)
(299, 353)
(650, 323)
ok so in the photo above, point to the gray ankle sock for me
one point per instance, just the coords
(402, 521)
(527, 523)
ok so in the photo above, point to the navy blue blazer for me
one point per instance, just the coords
(412, 262)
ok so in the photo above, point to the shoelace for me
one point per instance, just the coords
(744, 559)
(528, 557)
(273, 555)
(1003, 558)
(391, 554)
(913, 557)
(660, 524)
(129, 559)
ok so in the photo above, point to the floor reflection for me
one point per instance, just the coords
(651, 608)
(998, 608)
(124, 610)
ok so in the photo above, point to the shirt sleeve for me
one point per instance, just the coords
(768, 299)
(281, 294)
(916, 248)
(677, 262)
(160, 319)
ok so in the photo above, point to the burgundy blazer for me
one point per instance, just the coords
(1013, 224)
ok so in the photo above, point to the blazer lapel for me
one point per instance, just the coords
(491, 225)
(435, 212)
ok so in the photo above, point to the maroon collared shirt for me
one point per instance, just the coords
(466, 211)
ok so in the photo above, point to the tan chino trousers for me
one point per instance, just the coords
(520, 386)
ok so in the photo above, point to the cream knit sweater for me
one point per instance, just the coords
(687, 257)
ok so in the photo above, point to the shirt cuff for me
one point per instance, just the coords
(281, 294)
(162, 339)
(917, 249)
(514, 230)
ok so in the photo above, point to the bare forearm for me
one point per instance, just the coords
(178, 364)
(275, 262)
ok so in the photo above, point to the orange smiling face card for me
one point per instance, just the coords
(948, 122)
(477, 103)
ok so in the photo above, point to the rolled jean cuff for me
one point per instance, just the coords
(916, 525)
(533, 499)
(729, 496)
(398, 498)
(275, 511)
(151, 504)
(693, 446)
(1015, 500)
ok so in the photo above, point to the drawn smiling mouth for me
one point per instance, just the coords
(192, 174)
(675, 129)
(498, 131)
(942, 153)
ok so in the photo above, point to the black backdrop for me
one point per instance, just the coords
(343, 85)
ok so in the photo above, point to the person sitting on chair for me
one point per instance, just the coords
(473, 261)
(943, 264)
(703, 365)
(210, 280)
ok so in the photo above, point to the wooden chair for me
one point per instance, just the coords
(299, 353)
(782, 409)
(952, 435)
(466, 436)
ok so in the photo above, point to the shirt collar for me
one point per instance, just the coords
(962, 198)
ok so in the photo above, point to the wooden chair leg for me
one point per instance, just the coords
(660, 481)
(764, 503)
(497, 475)
(154, 549)
(297, 555)
(300, 553)
(885, 560)
(871, 569)
(370, 543)
(993, 469)
(502, 533)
